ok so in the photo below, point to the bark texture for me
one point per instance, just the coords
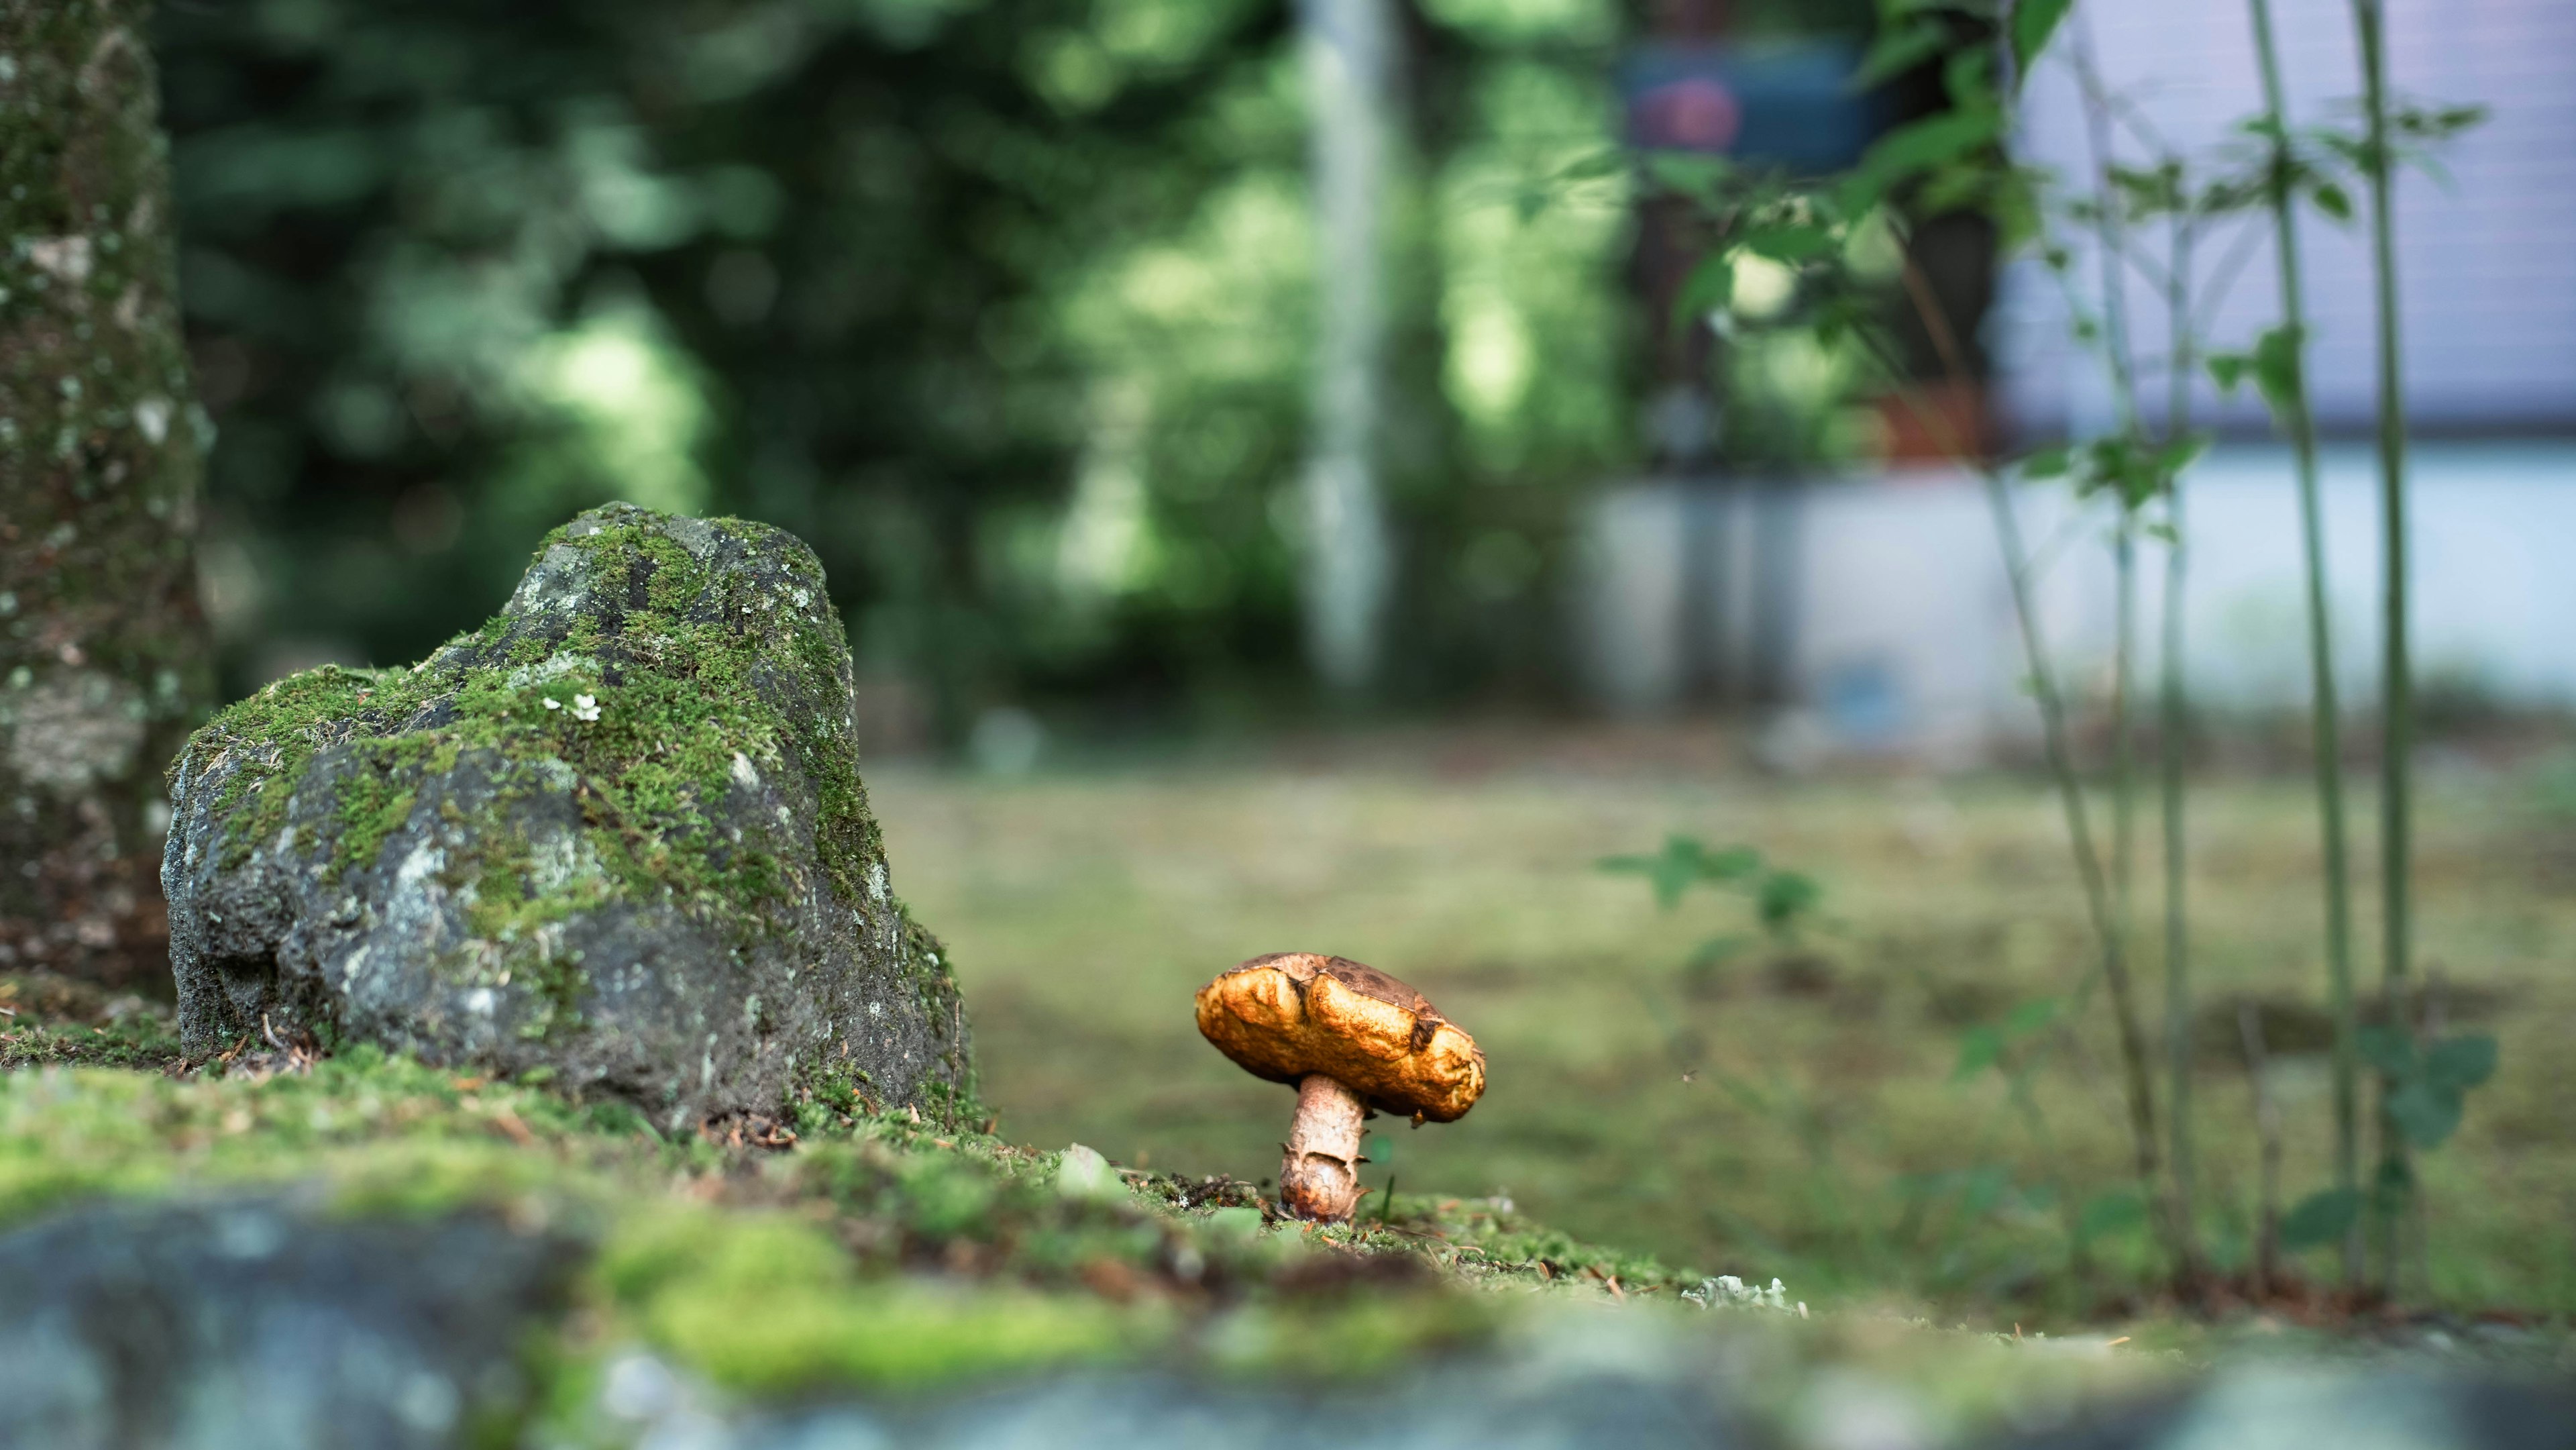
(103, 650)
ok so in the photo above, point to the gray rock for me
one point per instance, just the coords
(253, 1324)
(1600, 1383)
(618, 833)
(2423, 1406)
(273, 1323)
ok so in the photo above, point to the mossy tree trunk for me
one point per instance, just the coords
(103, 651)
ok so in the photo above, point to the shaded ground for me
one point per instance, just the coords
(1791, 1112)
(837, 1268)
(243, 1239)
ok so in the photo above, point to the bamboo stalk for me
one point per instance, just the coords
(2397, 686)
(2114, 259)
(2052, 711)
(2326, 724)
(2173, 725)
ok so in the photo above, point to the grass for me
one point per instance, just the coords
(889, 1257)
(1790, 1114)
(887, 1249)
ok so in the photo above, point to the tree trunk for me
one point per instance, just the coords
(1347, 50)
(103, 650)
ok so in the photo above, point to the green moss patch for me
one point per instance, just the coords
(881, 1250)
(650, 719)
(50, 1020)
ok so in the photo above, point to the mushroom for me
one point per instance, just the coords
(1350, 1039)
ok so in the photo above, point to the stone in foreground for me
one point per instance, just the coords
(617, 834)
(263, 1322)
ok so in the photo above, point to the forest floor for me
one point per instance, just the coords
(1796, 1109)
(906, 1261)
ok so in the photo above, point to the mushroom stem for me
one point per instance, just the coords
(1320, 1177)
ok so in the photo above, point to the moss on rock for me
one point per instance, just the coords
(618, 831)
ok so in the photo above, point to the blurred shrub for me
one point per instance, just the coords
(1002, 307)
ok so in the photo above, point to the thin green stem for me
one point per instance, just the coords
(2326, 723)
(2115, 231)
(2397, 686)
(2124, 733)
(2173, 727)
(2043, 678)
(2052, 707)
(2114, 257)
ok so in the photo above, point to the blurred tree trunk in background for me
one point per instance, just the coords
(1348, 48)
(103, 657)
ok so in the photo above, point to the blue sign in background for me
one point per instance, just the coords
(1789, 105)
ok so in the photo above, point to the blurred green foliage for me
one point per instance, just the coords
(1002, 307)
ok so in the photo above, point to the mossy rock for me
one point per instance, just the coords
(617, 835)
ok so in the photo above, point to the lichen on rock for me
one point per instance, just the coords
(618, 833)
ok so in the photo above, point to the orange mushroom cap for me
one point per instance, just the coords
(1290, 1014)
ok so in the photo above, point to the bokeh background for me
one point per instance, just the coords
(1014, 311)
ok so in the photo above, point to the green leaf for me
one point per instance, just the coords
(2277, 368)
(1707, 291)
(2323, 1217)
(1598, 164)
(2331, 200)
(2180, 454)
(1693, 174)
(2111, 1213)
(2047, 463)
(1968, 78)
(2428, 1115)
(2228, 369)
(1784, 897)
(1913, 149)
(2033, 22)
(2030, 1017)
(1735, 863)
(1980, 1047)
(1671, 870)
(2389, 1049)
(1789, 242)
(1897, 49)
(2460, 1063)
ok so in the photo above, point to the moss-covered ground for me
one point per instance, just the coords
(885, 1257)
(1794, 1111)
(845, 1251)
(831, 1246)
(1788, 1112)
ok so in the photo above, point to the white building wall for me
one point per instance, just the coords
(2488, 271)
(1903, 636)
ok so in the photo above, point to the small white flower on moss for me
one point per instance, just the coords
(553, 704)
(1729, 1292)
(584, 707)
